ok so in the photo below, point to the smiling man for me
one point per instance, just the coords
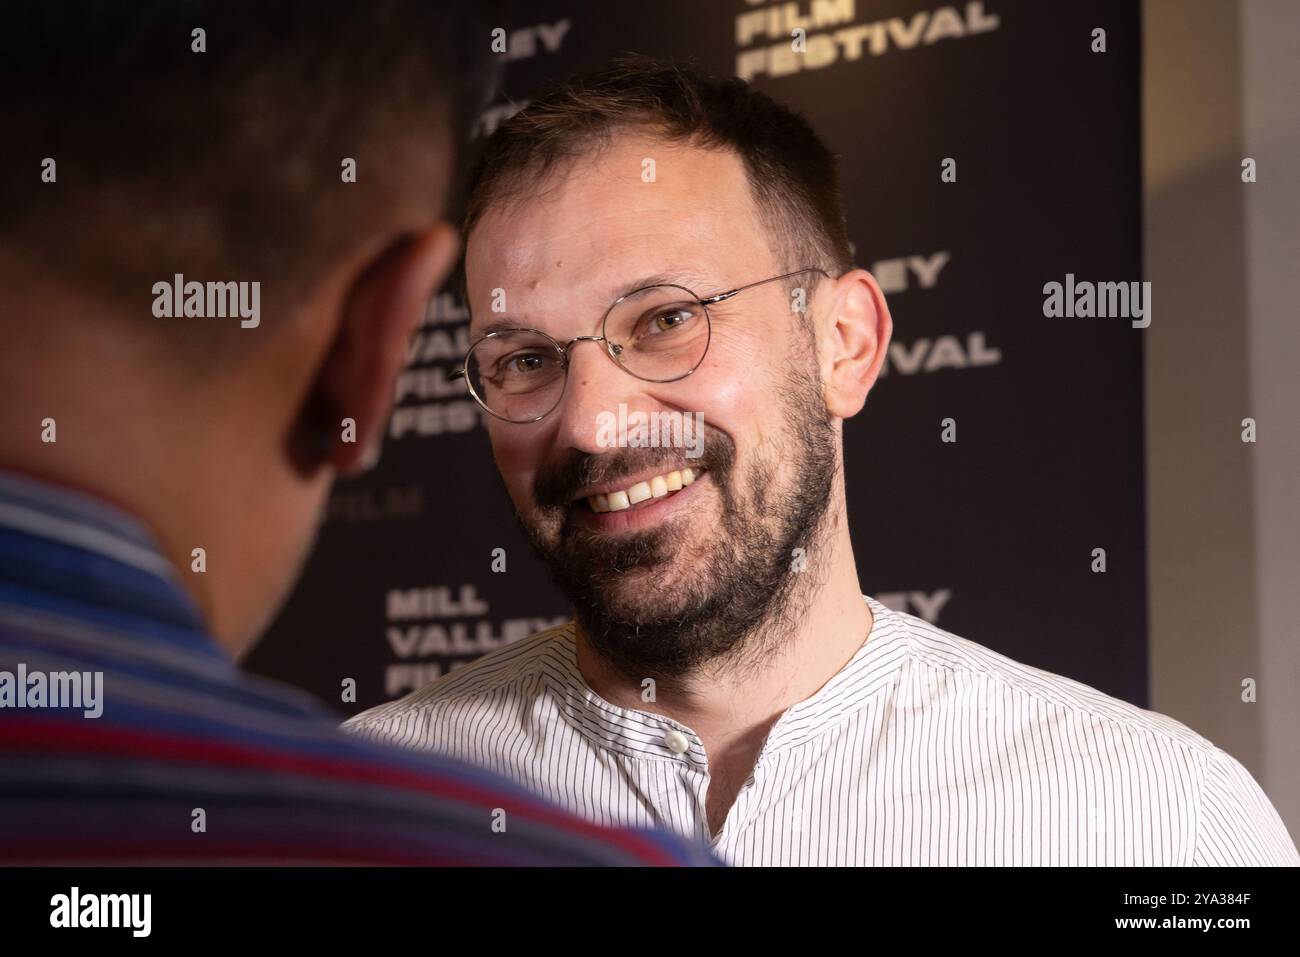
(654, 239)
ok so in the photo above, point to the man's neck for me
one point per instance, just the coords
(141, 443)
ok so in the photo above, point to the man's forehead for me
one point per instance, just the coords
(598, 227)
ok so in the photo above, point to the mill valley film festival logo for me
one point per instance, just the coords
(816, 34)
(74, 909)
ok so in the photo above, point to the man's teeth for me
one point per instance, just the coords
(657, 487)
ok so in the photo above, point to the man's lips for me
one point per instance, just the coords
(635, 491)
(646, 514)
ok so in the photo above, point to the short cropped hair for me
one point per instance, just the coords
(792, 173)
(225, 162)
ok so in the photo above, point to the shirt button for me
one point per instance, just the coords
(676, 742)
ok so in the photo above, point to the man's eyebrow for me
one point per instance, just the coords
(690, 281)
(501, 325)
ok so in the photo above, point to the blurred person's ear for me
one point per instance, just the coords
(381, 310)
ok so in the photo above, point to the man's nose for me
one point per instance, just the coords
(595, 388)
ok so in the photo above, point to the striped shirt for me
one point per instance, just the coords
(924, 749)
(188, 759)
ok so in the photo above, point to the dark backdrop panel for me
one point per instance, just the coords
(991, 537)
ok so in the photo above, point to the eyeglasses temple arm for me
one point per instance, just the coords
(727, 295)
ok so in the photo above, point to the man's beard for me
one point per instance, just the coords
(729, 606)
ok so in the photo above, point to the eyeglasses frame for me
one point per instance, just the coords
(563, 350)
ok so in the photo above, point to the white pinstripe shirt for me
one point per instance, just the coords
(925, 748)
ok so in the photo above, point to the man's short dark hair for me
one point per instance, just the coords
(225, 163)
(792, 173)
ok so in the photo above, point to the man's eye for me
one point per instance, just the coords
(524, 364)
(668, 321)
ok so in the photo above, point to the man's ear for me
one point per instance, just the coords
(857, 327)
(380, 312)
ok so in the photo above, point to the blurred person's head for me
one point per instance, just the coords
(648, 174)
(201, 147)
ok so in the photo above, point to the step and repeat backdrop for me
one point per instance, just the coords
(989, 150)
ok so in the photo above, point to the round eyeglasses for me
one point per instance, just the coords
(657, 333)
